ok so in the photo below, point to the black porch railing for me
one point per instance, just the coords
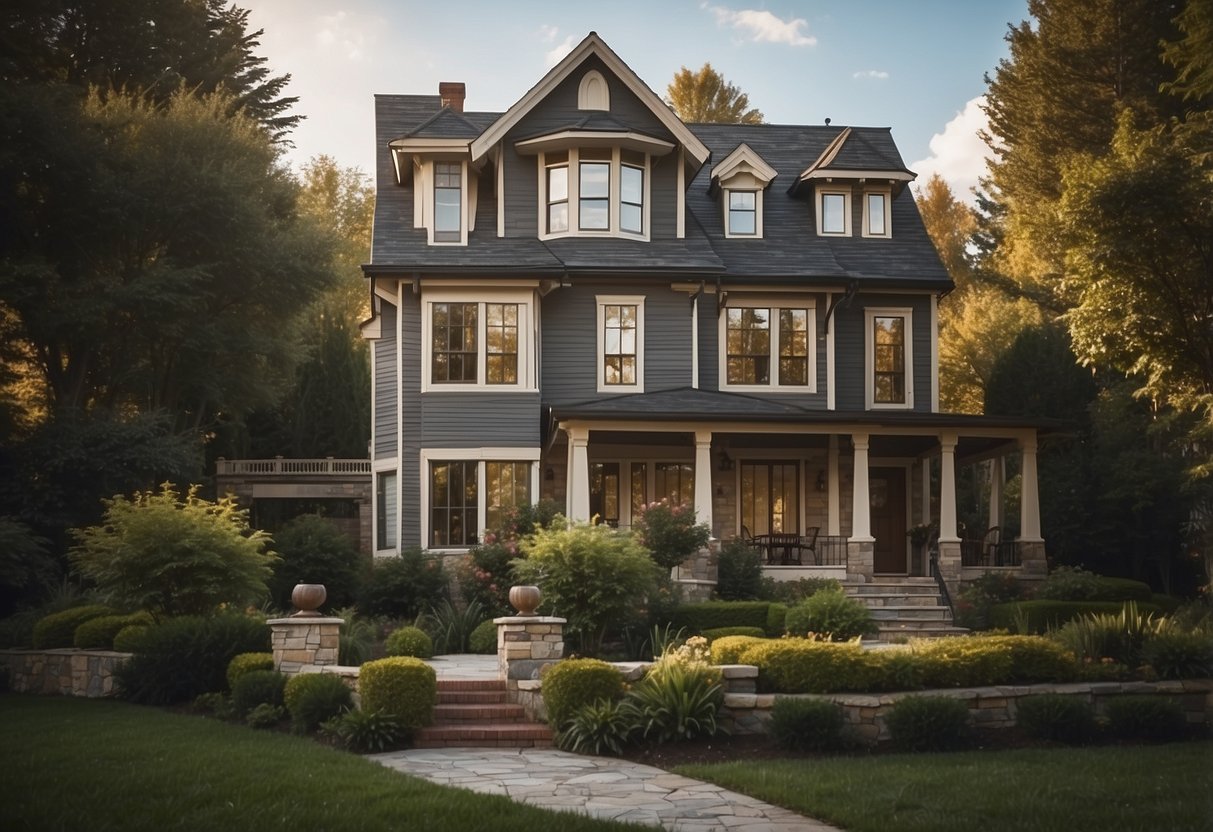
(940, 583)
(831, 550)
(979, 554)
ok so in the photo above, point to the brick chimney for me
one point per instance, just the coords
(452, 94)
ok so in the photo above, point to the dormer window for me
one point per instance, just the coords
(448, 202)
(876, 214)
(740, 179)
(595, 191)
(834, 212)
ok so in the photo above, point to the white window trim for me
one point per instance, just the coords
(887, 193)
(728, 231)
(525, 298)
(389, 465)
(603, 301)
(774, 304)
(626, 456)
(845, 193)
(427, 199)
(575, 198)
(482, 455)
(869, 357)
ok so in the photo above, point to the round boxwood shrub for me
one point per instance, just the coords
(830, 612)
(728, 649)
(257, 687)
(312, 698)
(806, 724)
(401, 686)
(721, 632)
(245, 662)
(570, 685)
(59, 629)
(410, 641)
(1144, 717)
(98, 633)
(1056, 717)
(928, 723)
(484, 638)
(128, 639)
(180, 658)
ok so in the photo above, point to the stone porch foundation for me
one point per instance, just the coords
(303, 644)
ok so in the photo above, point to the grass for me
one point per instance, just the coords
(71, 764)
(1144, 788)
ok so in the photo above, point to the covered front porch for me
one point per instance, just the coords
(822, 493)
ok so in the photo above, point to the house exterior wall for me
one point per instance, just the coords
(850, 348)
(385, 355)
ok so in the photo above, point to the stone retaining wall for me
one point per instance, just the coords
(748, 712)
(67, 672)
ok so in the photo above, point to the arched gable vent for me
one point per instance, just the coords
(593, 94)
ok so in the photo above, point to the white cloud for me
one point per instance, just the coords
(958, 154)
(878, 74)
(764, 27)
(548, 34)
(346, 36)
(561, 49)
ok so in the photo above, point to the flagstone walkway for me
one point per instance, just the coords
(598, 786)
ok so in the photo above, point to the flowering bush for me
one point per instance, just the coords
(485, 575)
(670, 532)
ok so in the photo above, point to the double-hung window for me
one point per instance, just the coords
(876, 220)
(743, 214)
(448, 202)
(594, 190)
(387, 518)
(889, 360)
(620, 344)
(631, 196)
(557, 174)
(769, 347)
(834, 213)
(481, 344)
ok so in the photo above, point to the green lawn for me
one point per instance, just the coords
(1109, 789)
(72, 764)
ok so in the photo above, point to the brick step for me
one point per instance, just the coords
(470, 697)
(470, 684)
(936, 613)
(463, 713)
(485, 735)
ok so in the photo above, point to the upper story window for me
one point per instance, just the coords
(876, 220)
(448, 202)
(889, 358)
(595, 192)
(620, 344)
(834, 212)
(743, 214)
(478, 344)
(769, 346)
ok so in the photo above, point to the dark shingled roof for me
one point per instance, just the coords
(790, 249)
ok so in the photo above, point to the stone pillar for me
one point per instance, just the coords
(301, 644)
(525, 645)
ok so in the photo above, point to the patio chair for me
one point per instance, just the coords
(990, 543)
(808, 543)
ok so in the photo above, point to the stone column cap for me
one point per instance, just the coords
(530, 619)
(304, 621)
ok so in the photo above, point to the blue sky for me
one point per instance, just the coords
(916, 65)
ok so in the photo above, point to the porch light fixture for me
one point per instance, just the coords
(726, 464)
(821, 480)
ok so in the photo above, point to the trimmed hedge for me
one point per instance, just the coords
(807, 724)
(713, 615)
(728, 649)
(402, 686)
(245, 663)
(128, 639)
(59, 629)
(797, 665)
(1043, 615)
(572, 684)
(928, 723)
(722, 632)
(257, 687)
(313, 698)
(99, 633)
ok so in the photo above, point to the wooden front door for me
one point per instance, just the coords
(888, 501)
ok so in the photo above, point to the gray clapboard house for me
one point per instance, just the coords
(585, 299)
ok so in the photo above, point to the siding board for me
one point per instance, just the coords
(386, 439)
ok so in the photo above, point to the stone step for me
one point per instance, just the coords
(895, 600)
(447, 714)
(887, 587)
(485, 735)
(935, 613)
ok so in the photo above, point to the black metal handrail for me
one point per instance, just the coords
(940, 582)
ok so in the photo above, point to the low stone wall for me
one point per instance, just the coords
(67, 672)
(747, 712)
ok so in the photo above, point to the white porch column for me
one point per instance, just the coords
(1029, 501)
(579, 475)
(947, 489)
(703, 478)
(861, 519)
(997, 479)
(833, 497)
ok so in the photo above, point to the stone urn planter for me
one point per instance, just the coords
(525, 599)
(307, 598)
